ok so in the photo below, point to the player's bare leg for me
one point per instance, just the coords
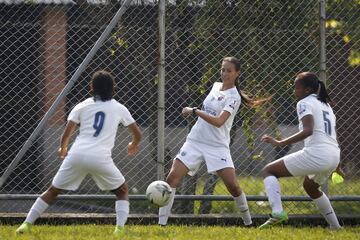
(229, 178)
(322, 202)
(50, 195)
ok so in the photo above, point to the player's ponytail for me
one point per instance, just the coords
(248, 100)
(323, 94)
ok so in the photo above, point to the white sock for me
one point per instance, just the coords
(164, 212)
(242, 205)
(122, 212)
(272, 188)
(327, 211)
(36, 210)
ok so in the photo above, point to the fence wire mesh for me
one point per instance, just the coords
(44, 42)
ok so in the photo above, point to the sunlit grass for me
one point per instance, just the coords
(97, 232)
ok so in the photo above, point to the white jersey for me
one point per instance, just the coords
(98, 125)
(324, 133)
(216, 102)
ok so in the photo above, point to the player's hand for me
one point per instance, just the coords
(186, 111)
(132, 148)
(62, 152)
(340, 171)
(271, 140)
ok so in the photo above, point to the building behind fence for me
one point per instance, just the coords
(44, 42)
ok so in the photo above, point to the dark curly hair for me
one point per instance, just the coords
(103, 85)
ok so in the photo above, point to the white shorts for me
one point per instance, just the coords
(75, 167)
(193, 153)
(318, 166)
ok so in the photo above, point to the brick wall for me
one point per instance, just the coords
(54, 24)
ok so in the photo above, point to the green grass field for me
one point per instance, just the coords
(142, 232)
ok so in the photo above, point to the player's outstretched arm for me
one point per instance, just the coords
(133, 146)
(65, 138)
(308, 126)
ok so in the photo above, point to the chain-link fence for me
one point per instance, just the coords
(43, 43)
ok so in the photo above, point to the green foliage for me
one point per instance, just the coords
(206, 79)
(250, 137)
(97, 232)
(344, 21)
(354, 58)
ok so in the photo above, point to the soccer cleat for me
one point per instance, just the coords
(119, 231)
(335, 228)
(248, 226)
(275, 218)
(25, 227)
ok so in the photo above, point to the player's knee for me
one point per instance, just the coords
(312, 190)
(270, 170)
(124, 188)
(234, 190)
(309, 187)
(54, 191)
(121, 191)
(49, 196)
(265, 172)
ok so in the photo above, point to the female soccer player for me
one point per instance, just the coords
(316, 161)
(209, 139)
(98, 117)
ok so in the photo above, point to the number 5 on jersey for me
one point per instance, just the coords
(327, 123)
(98, 123)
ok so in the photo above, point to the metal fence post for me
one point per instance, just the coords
(322, 60)
(322, 22)
(161, 93)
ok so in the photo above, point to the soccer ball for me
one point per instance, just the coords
(158, 193)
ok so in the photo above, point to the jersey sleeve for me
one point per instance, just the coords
(303, 108)
(74, 115)
(232, 104)
(126, 118)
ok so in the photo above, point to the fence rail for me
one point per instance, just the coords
(177, 197)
